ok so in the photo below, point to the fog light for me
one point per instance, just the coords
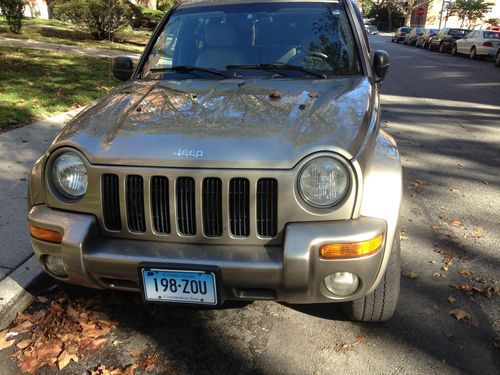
(341, 283)
(55, 265)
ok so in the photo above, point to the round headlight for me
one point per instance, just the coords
(323, 182)
(69, 175)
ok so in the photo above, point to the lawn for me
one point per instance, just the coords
(53, 31)
(35, 84)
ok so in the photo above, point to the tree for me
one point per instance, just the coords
(469, 10)
(493, 21)
(13, 10)
(103, 18)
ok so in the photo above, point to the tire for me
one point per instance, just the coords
(379, 306)
(441, 47)
(424, 45)
(472, 53)
(454, 51)
(392, 40)
(430, 47)
(497, 59)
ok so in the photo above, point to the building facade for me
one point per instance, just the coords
(432, 17)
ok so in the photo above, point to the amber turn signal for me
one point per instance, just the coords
(348, 250)
(44, 234)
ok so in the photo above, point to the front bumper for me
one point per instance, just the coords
(293, 272)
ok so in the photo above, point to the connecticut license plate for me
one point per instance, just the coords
(181, 286)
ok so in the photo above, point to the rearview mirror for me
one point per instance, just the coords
(380, 64)
(123, 67)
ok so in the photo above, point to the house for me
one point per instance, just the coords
(39, 8)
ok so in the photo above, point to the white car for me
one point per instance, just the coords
(478, 43)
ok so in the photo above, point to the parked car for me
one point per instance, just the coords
(400, 34)
(496, 59)
(445, 38)
(478, 43)
(411, 37)
(424, 39)
(206, 176)
(370, 28)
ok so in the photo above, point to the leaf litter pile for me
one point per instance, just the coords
(64, 330)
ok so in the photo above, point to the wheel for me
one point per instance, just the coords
(380, 305)
(454, 50)
(473, 54)
(424, 45)
(392, 40)
(441, 47)
(430, 47)
(497, 59)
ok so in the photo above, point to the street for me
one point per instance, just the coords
(444, 113)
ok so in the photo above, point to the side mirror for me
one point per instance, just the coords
(123, 67)
(380, 64)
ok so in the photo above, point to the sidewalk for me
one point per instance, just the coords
(93, 52)
(19, 149)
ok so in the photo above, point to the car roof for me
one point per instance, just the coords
(196, 3)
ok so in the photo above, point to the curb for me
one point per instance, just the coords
(15, 296)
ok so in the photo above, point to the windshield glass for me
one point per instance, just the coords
(458, 32)
(405, 29)
(316, 36)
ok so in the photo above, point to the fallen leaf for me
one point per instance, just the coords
(24, 344)
(4, 343)
(22, 327)
(451, 299)
(456, 223)
(410, 275)
(65, 358)
(485, 182)
(42, 299)
(455, 190)
(465, 273)
(436, 274)
(136, 352)
(460, 314)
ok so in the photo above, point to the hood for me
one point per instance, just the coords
(233, 123)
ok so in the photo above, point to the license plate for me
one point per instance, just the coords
(181, 286)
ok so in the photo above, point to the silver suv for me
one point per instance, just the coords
(241, 159)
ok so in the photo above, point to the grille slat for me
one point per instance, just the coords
(111, 202)
(212, 207)
(239, 202)
(159, 204)
(135, 203)
(186, 219)
(267, 207)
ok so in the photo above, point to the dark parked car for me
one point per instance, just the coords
(411, 37)
(445, 38)
(400, 34)
(424, 38)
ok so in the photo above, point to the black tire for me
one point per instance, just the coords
(441, 47)
(380, 305)
(472, 53)
(454, 51)
(497, 59)
(424, 45)
(392, 40)
(430, 47)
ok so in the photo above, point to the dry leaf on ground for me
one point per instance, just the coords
(460, 314)
(4, 343)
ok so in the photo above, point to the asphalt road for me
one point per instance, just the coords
(444, 112)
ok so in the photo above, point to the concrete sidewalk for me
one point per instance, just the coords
(19, 149)
(84, 51)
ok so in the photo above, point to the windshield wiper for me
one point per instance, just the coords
(277, 66)
(189, 69)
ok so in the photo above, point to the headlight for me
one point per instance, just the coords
(323, 182)
(69, 175)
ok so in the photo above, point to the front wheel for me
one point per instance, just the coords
(454, 51)
(497, 59)
(379, 306)
(473, 53)
(441, 47)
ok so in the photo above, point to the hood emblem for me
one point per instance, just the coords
(184, 152)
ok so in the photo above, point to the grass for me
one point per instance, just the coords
(58, 32)
(35, 84)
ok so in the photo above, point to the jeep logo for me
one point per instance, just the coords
(189, 153)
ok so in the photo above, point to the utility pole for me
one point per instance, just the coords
(442, 11)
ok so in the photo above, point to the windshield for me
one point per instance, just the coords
(315, 36)
(405, 29)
